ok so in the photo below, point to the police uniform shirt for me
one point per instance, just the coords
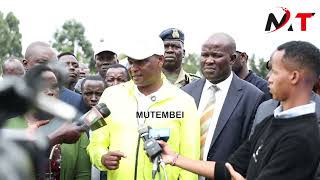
(184, 78)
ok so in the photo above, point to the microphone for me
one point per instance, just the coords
(94, 118)
(152, 148)
(160, 134)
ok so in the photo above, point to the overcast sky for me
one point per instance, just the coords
(116, 20)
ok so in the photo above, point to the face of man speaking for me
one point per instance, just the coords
(146, 72)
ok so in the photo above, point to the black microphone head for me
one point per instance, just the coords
(15, 98)
(33, 77)
(103, 109)
(60, 70)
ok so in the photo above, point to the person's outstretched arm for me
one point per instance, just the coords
(203, 168)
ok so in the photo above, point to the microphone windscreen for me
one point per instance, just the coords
(103, 109)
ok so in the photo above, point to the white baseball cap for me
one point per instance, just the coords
(103, 46)
(144, 47)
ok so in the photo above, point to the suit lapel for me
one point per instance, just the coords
(196, 91)
(233, 96)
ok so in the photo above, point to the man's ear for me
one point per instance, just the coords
(233, 58)
(243, 57)
(184, 53)
(161, 60)
(25, 63)
(295, 77)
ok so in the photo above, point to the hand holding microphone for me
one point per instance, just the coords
(151, 145)
(67, 133)
(168, 155)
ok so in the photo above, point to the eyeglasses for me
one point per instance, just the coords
(268, 65)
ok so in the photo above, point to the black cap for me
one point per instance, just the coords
(172, 34)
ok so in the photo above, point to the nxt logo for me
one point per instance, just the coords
(285, 18)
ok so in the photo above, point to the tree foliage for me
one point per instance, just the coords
(259, 66)
(71, 38)
(191, 63)
(10, 37)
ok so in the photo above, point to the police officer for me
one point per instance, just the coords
(173, 40)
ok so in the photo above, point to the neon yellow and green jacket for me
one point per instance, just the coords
(121, 132)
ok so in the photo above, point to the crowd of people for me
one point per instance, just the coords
(228, 124)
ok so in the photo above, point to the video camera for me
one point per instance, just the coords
(22, 156)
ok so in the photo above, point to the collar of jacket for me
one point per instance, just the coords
(166, 92)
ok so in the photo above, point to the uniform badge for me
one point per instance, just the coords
(153, 98)
(175, 34)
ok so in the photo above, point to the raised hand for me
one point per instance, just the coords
(67, 133)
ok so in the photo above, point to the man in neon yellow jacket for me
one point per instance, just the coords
(149, 99)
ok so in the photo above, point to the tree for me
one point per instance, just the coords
(191, 63)
(10, 37)
(259, 68)
(71, 38)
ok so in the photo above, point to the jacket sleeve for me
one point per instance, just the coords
(98, 146)
(100, 140)
(253, 120)
(190, 137)
(83, 166)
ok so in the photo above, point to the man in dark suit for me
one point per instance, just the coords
(235, 103)
(286, 144)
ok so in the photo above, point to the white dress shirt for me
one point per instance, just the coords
(223, 88)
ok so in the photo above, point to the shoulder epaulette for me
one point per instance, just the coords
(194, 76)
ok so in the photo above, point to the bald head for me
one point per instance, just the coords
(38, 53)
(217, 56)
(222, 39)
(13, 67)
